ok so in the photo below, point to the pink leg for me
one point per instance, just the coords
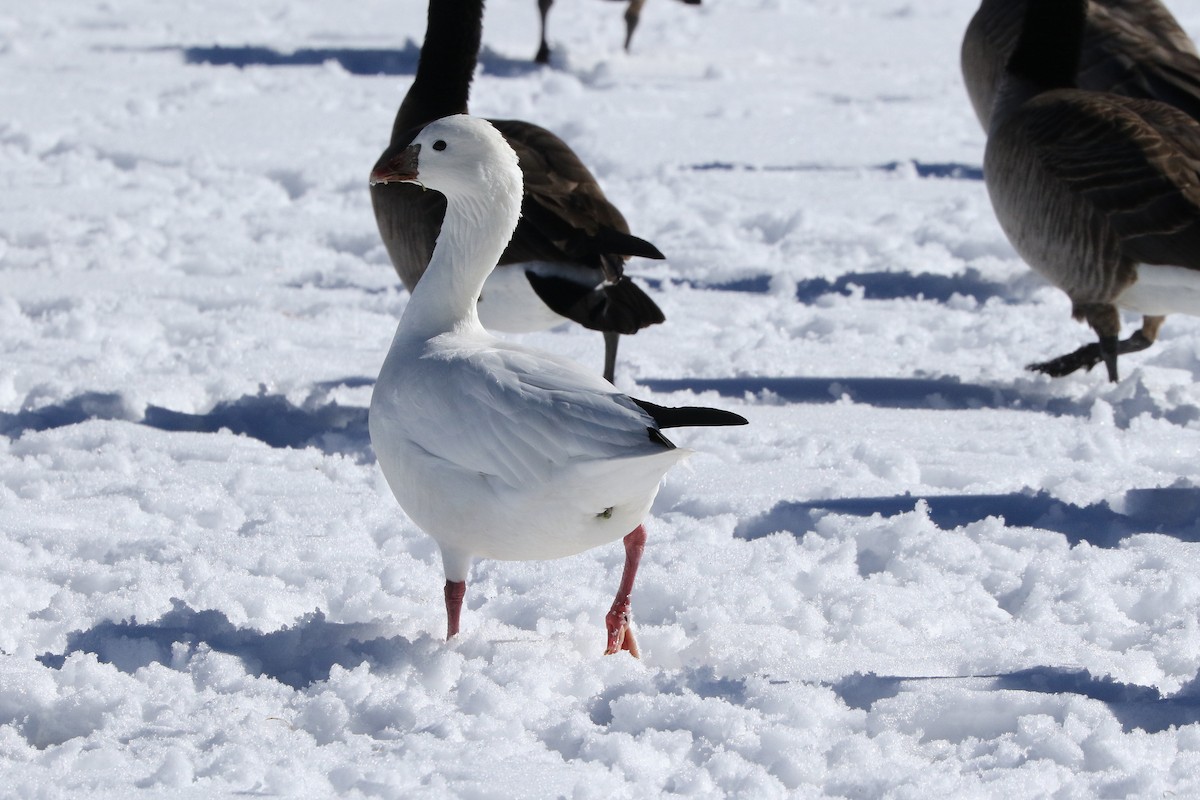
(620, 635)
(455, 591)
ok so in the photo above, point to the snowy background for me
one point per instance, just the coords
(920, 572)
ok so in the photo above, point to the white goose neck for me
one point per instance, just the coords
(475, 231)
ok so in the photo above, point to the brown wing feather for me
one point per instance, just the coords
(558, 180)
(1136, 161)
(1138, 50)
(564, 213)
(1149, 16)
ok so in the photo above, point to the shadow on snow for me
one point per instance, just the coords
(1135, 707)
(273, 419)
(945, 393)
(951, 170)
(937, 394)
(355, 60)
(1171, 511)
(298, 656)
(334, 428)
(902, 285)
(306, 652)
(90, 405)
(874, 285)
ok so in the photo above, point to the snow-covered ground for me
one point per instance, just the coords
(920, 572)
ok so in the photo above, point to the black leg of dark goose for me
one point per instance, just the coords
(633, 13)
(1096, 191)
(555, 460)
(1090, 355)
(566, 260)
(543, 53)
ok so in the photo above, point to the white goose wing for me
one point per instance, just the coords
(517, 415)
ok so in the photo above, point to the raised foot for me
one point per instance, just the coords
(620, 632)
(1085, 358)
(1088, 356)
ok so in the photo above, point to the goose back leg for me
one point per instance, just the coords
(620, 634)
(611, 340)
(1107, 349)
(543, 53)
(1106, 322)
(455, 592)
(632, 14)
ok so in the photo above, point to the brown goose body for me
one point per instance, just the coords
(1097, 192)
(566, 258)
(1130, 47)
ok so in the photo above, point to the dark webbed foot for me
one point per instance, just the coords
(1085, 358)
(1088, 356)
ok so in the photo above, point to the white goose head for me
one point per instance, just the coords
(468, 161)
(459, 155)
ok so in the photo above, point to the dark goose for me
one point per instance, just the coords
(566, 260)
(1098, 192)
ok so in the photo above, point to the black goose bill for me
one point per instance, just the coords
(400, 168)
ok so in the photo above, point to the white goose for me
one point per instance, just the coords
(494, 449)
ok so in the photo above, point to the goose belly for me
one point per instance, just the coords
(1162, 290)
(508, 302)
(580, 507)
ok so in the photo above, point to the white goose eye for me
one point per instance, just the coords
(439, 145)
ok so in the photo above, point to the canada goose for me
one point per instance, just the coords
(1099, 193)
(632, 14)
(494, 449)
(566, 259)
(1130, 47)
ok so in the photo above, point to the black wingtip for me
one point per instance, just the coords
(611, 240)
(689, 416)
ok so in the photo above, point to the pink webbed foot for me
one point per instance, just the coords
(620, 631)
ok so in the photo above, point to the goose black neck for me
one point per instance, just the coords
(1049, 46)
(448, 56)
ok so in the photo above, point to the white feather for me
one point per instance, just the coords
(1161, 290)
